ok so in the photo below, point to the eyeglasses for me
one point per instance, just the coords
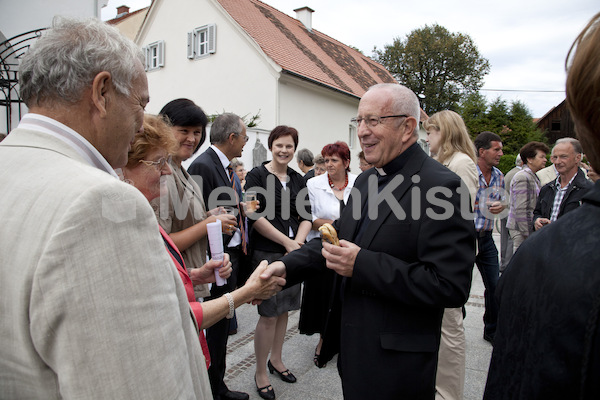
(159, 165)
(373, 121)
(246, 137)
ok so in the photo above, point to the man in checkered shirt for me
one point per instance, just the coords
(489, 203)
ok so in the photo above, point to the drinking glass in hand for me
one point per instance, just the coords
(251, 203)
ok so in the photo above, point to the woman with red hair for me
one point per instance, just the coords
(328, 195)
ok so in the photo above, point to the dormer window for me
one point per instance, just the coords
(202, 41)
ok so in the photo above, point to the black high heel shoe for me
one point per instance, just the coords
(285, 376)
(318, 363)
(268, 395)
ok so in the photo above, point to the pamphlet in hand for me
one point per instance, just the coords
(215, 240)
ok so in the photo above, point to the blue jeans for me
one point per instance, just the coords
(487, 263)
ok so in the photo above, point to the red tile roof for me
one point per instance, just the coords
(310, 55)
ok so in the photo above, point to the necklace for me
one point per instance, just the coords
(333, 186)
(282, 177)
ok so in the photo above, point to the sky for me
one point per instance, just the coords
(526, 41)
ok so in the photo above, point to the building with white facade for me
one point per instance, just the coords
(246, 57)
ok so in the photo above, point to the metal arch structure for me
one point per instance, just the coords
(11, 51)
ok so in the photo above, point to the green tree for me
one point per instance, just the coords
(498, 116)
(249, 120)
(435, 63)
(521, 121)
(473, 110)
(514, 122)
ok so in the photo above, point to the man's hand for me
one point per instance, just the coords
(274, 272)
(228, 223)
(276, 268)
(341, 258)
(496, 207)
(540, 222)
(263, 288)
(205, 274)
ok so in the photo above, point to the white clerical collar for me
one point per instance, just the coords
(380, 171)
(89, 153)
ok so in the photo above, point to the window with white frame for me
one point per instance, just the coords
(202, 41)
(351, 135)
(155, 55)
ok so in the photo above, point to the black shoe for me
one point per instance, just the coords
(268, 395)
(285, 376)
(231, 395)
(488, 338)
(318, 363)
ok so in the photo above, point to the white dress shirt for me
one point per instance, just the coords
(323, 202)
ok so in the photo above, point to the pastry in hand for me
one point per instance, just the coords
(329, 234)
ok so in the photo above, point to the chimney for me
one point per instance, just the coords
(122, 10)
(304, 15)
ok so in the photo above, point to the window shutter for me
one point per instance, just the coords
(161, 53)
(212, 39)
(146, 58)
(190, 45)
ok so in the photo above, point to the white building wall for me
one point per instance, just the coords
(320, 115)
(236, 78)
(239, 78)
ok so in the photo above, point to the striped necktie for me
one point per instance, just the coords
(241, 218)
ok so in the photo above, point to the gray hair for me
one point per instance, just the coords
(574, 142)
(224, 125)
(65, 60)
(236, 162)
(518, 161)
(404, 101)
(319, 159)
(306, 156)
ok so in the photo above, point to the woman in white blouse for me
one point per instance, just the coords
(328, 195)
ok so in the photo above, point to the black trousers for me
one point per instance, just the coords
(216, 335)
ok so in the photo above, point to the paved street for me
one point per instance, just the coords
(324, 384)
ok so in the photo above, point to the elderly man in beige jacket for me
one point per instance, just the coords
(91, 304)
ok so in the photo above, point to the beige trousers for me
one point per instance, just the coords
(517, 237)
(450, 377)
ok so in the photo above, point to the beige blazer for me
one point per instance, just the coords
(78, 252)
(180, 208)
(463, 166)
(547, 174)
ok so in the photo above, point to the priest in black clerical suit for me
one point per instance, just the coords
(400, 263)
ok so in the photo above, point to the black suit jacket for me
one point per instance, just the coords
(208, 166)
(209, 173)
(309, 174)
(547, 345)
(408, 270)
